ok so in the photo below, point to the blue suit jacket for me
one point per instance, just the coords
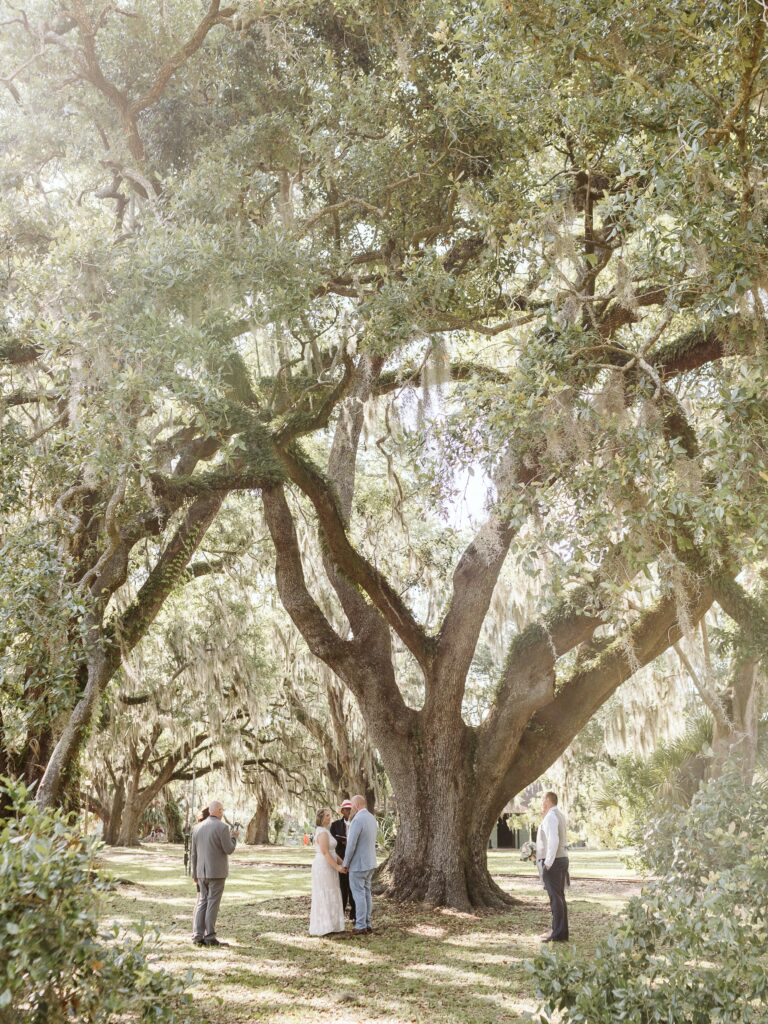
(361, 842)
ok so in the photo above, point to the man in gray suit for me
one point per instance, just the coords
(212, 843)
(360, 861)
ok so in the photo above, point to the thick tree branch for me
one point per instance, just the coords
(552, 728)
(216, 15)
(167, 572)
(363, 617)
(474, 580)
(320, 636)
(350, 562)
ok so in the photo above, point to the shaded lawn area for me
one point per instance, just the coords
(421, 966)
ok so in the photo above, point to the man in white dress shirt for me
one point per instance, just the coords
(552, 859)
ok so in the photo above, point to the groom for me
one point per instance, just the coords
(360, 861)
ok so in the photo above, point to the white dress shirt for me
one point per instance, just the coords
(548, 838)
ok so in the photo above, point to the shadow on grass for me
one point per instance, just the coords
(420, 965)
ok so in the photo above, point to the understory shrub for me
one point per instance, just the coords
(693, 947)
(56, 964)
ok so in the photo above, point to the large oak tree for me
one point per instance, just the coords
(553, 219)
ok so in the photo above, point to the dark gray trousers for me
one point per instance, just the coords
(554, 882)
(207, 908)
(346, 896)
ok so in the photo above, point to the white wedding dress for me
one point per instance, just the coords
(327, 913)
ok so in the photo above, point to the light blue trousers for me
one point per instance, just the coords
(360, 884)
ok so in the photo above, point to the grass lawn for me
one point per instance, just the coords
(421, 966)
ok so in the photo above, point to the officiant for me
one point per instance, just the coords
(339, 833)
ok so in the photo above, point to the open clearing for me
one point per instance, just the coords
(439, 967)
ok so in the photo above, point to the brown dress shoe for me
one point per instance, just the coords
(359, 931)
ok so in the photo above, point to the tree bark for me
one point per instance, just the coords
(734, 742)
(102, 650)
(257, 830)
(113, 824)
(135, 806)
(439, 855)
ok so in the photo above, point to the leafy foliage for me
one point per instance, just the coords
(634, 789)
(55, 964)
(533, 241)
(692, 947)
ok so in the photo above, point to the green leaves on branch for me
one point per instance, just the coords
(693, 946)
(56, 965)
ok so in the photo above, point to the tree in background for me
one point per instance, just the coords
(117, 363)
(203, 694)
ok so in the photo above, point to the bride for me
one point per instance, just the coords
(327, 912)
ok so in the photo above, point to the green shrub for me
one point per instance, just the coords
(693, 946)
(385, 840)
(55, 964)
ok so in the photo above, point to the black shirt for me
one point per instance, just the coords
(339, 833)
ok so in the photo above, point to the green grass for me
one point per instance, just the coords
(585, 863)
(423, 965)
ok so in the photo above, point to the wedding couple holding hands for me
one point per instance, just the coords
(344, 850)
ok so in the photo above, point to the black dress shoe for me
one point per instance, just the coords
(197, 942)
(214, 942)
(369, 930)
(551, 939)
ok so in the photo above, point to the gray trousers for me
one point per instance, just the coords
(207, 908)
(360, 884)
(554, 882)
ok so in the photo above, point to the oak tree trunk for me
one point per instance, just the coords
(440, 851)
(440, 859)
(135, 806)
(734, 739)
(112, 825)
(257, 830)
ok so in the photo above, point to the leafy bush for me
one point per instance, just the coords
(692, 947)
(55, 965)
(385, 840)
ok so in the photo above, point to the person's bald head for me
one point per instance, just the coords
(215, 808)
(358, 803)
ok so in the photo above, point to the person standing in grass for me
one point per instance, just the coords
(360, 859)
(552, 860)
(339, 833)
(212, 844)
(326, 914)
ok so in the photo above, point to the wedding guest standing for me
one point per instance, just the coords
(552, 859)
(212, 843)
(339, 833)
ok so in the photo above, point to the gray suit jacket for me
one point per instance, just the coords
(361, 842)
(212, 844)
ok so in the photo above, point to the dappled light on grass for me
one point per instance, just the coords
(427, 931)
(421, 966)
(448, 974)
